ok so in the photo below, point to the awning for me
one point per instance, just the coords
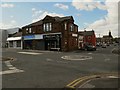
(14, 38)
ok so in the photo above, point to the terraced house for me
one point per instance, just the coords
(51, 33)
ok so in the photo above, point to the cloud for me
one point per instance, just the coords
(88, 5)
(7, 5)
(42, 14)
(62, 6)
(11, 16)
(109, 22)
(10, 24)
(36, 12)
(33, 9)
(78, 14)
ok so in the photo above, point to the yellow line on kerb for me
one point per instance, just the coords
(74, 83)
(83, 79)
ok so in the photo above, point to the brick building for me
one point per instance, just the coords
(86, 38)
(108, 38)
(15, 40)
(51, 33)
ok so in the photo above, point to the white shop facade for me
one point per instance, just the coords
(15, 42)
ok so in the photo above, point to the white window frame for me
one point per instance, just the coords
(65, 25)
(27, 30)
(71, 27)
(47, 27)
(30, 30)
(50, 26)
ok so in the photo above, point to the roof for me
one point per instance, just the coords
(56, 18)
(17, 34)
(36, 23)
(106, 36)
(81, 32)
(86, 33)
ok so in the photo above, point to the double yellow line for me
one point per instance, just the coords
(74, 84)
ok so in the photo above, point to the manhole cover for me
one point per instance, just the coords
(76, 57)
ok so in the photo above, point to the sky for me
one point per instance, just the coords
(99, 15)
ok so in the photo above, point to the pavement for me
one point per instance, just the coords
(47, 69)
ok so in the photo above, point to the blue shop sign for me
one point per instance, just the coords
(29, 37)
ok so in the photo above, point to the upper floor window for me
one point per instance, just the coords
(30, 30)
(71, 27)
(27, 30)
(65, 25)
(47, 26)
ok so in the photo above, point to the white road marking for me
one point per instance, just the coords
(9, 65)
(90, 53)
(12, 69)
(76, 57)
(107, 59)
(48, 59)
(112, 77)
(31, 53)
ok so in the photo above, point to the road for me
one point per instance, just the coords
(46, 69)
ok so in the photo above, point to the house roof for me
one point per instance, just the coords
(56, 18)
(17, 34)
(86, 33)
(107, 36)
(81, 32)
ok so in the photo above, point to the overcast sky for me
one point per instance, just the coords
(99, 15)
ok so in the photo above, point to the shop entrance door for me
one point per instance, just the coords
(50, 44)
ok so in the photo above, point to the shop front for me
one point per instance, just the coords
(42, 42)
(15, 42)
(52, 42)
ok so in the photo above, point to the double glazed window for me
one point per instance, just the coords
(28, 30)
(65, 24)
(47, 27)
(71, 27)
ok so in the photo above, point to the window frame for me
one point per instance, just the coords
(71, 27)
(65, 25)
(47, 27)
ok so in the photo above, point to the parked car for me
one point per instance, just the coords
(104, 45)
(108, 44)
(98, 44)
(91, 48)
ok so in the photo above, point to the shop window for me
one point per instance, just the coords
(11, 43)
(18, 43)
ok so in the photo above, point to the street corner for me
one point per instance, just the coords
(7, 67)
(76, 57)
(4, 59)
(105, 80)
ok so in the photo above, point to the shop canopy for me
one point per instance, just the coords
(14, 38)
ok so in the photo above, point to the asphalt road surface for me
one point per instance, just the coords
(46, 69)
